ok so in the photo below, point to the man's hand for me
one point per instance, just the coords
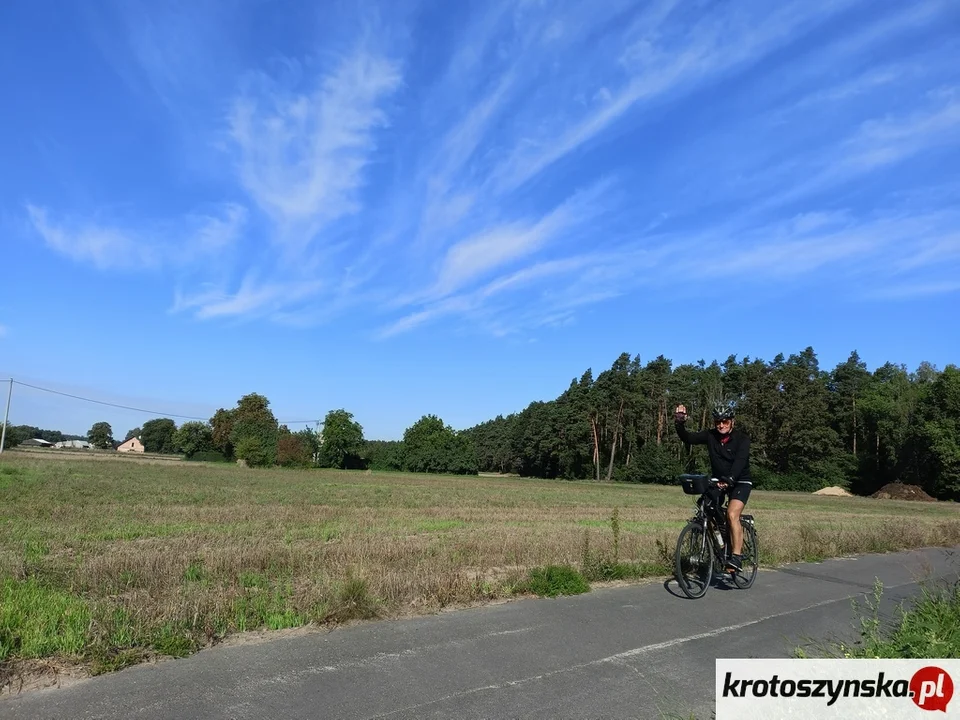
(725, 482)
(680, 415)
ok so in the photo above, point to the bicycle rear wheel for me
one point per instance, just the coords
(749, 557)
(694, 561)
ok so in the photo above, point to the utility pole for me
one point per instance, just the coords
(6, 416)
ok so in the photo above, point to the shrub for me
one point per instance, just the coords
(208, 456)
(292, 451)
(255, 451)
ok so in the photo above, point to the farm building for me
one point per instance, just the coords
(133, 445)
(81, 444)
(36, 442)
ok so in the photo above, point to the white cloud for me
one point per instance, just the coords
(889, 140)
(215, 234)
(936, 250)
(873, 145)
(658, 63)
(860, 85)
(302, 156)
(112, 246)
(864, 251)
(553, 31)
(104, 247)
(254, 298)
(478, 255)
(894, 291)
(541, 294)
(444, 205)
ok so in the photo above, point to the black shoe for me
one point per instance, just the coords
(733, 564)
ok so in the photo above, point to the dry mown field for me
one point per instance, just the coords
(111, 562)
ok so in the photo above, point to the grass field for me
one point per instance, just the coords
(112, 562)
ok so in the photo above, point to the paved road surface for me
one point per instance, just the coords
(625, 652)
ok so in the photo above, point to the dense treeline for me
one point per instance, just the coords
(809, 427)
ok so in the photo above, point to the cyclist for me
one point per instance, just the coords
(729, 451)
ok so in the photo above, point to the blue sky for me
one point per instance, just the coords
(403, 208)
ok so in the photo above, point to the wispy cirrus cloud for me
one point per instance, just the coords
(545, 293)
(910, 291)
(887, 140)
(661, 57)
(302, 155)
(496, 247)
(543, 158)
(864, 256)
(112, 246)
(255, 297)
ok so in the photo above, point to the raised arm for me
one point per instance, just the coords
(680, 419)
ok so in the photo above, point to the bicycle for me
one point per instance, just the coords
(707, 547)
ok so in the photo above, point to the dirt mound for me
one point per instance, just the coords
(901, 491)
(834, 490)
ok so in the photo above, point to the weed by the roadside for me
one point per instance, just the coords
(352, 600)
(926, 627)
(554, 580)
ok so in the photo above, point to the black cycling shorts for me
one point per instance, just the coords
(740, 491)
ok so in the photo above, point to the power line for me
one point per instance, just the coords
(127, 407)
(109, 404)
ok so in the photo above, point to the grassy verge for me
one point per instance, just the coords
(110, 562)
(925, 627)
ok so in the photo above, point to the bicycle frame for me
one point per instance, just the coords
(706, 519)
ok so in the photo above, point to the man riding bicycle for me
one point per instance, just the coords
(729, 452)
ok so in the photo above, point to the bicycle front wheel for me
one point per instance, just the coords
(694, 561)
(749, 556)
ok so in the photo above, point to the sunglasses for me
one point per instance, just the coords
(722, 422)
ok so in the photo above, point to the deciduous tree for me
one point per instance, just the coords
(101, 435)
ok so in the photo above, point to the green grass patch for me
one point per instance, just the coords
(194, 572)
(39, 621)
(605, 570)
(174, 640)
(429, 526)
(554, 580)
(265, 604)
(322, 532)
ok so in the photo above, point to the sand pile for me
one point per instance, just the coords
(834, 490)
